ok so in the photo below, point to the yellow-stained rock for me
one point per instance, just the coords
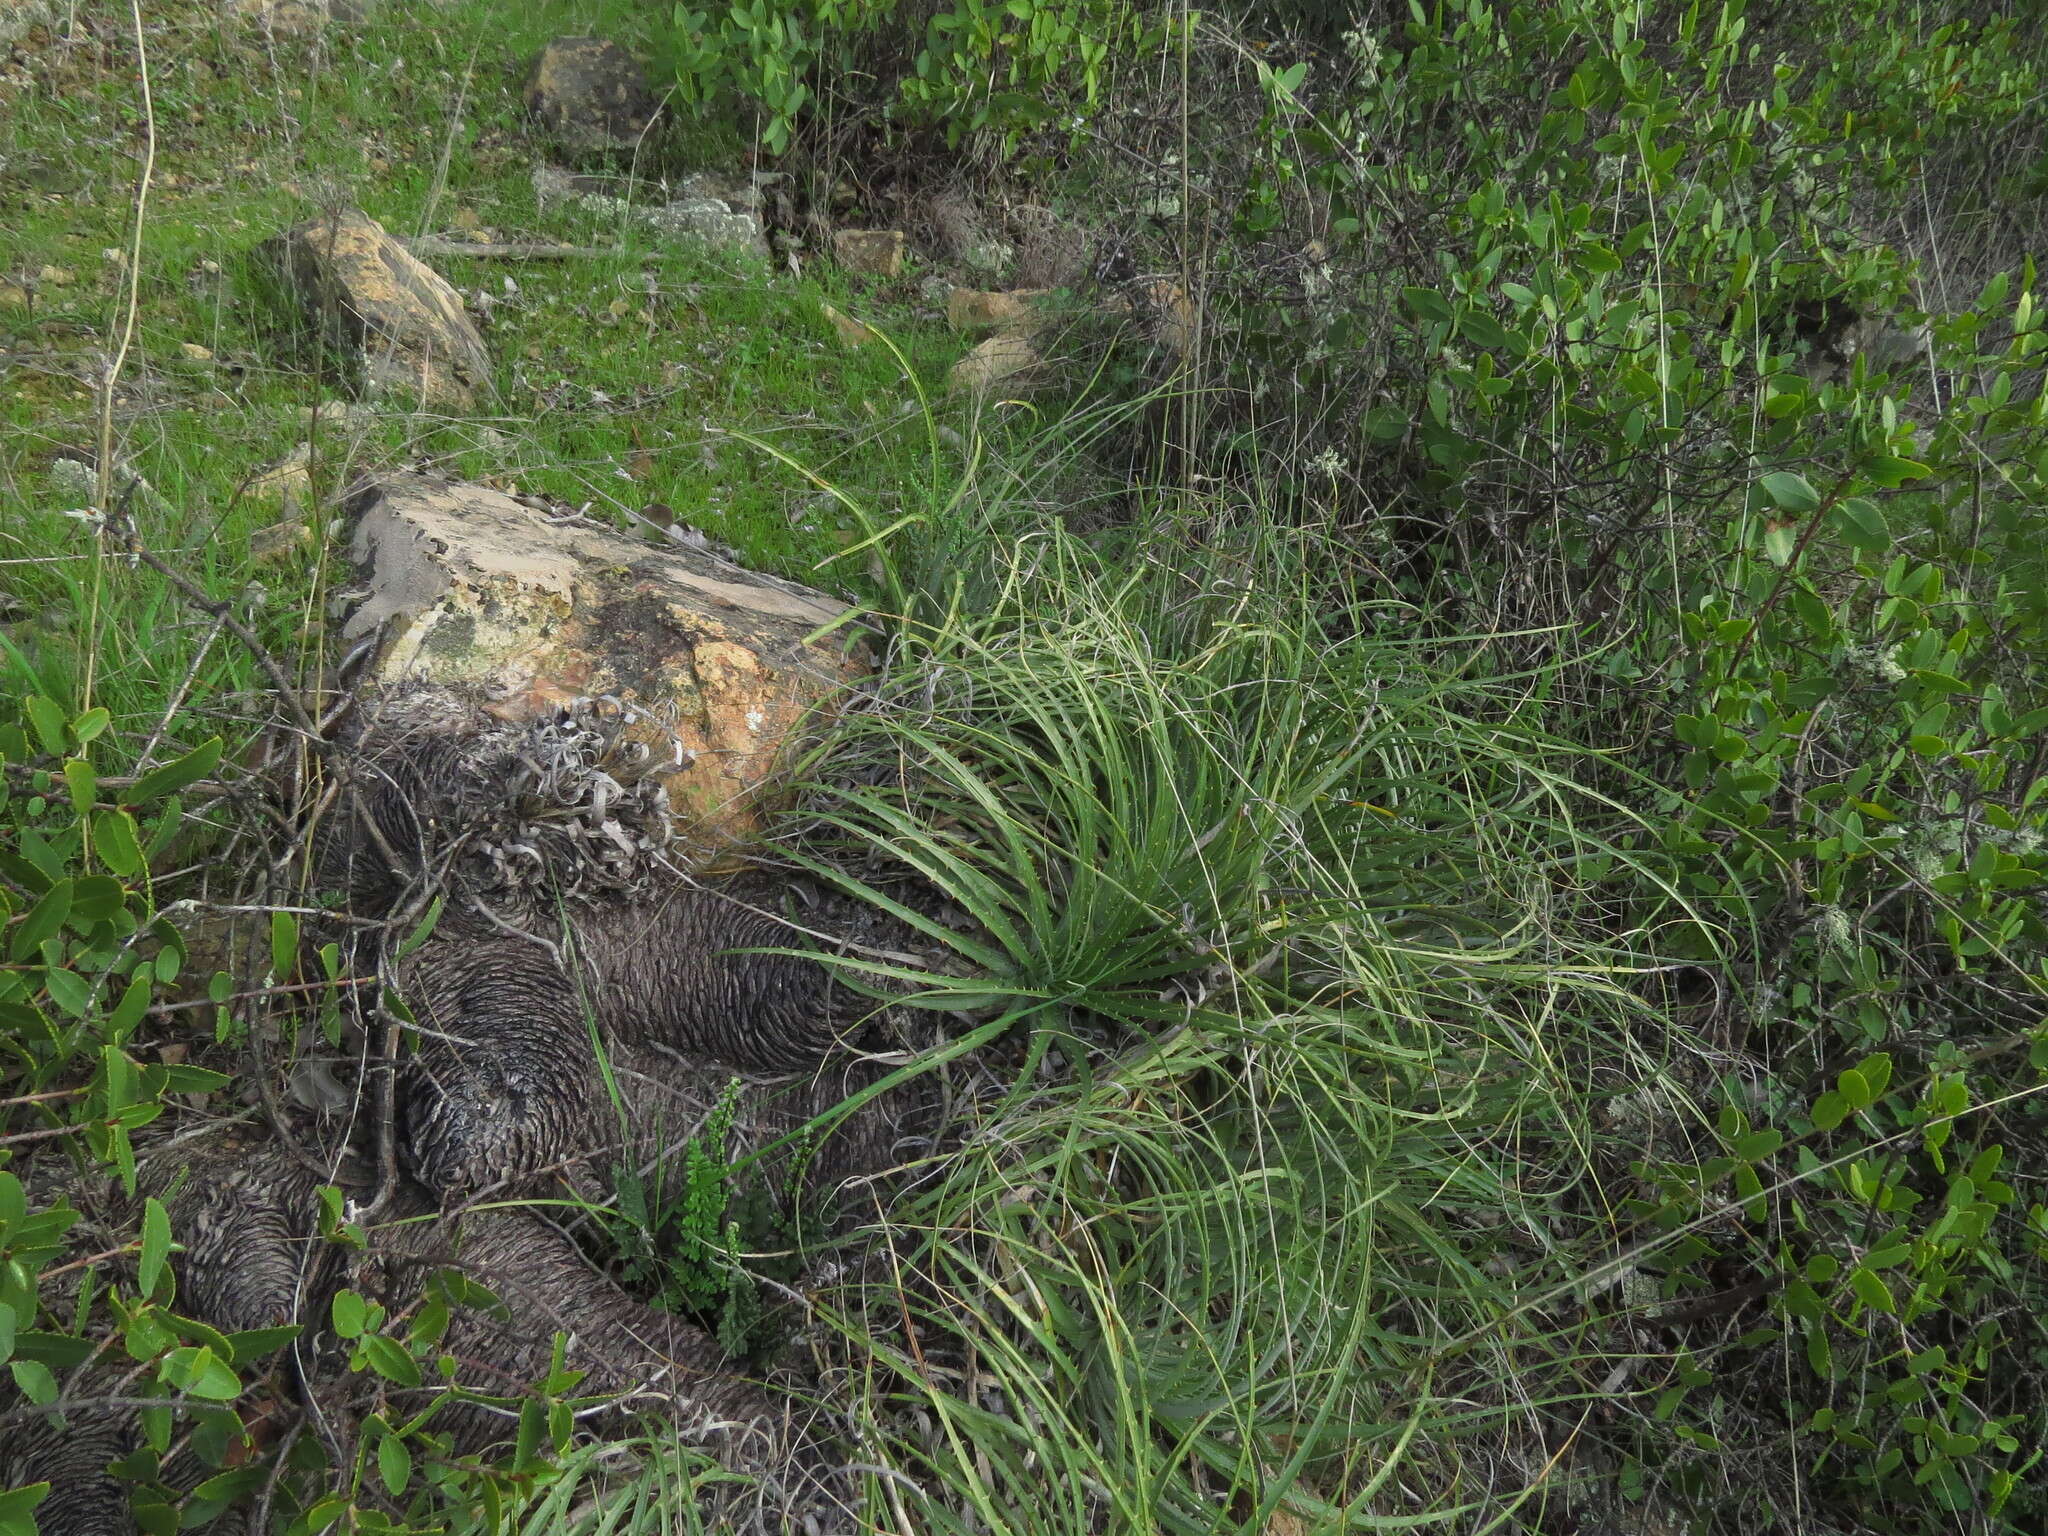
(972, 309)
(294, 18)
(288, 480)
(17, 16)
(480, 591)
(1003, 356)
(1165, 311)
(851, 332)
(276, 544)
(877, 252)
(383, 307)
(1172, 314)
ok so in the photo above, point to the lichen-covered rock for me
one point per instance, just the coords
(717, 663)
(589, 94)
(717, 214)
(398, 322)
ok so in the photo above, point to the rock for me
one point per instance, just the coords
(383, 307)
(970, 309)
(289, 480)
(17, 16)
(707, 223)
(294, 18)
(876, 252)
(850, 331)
(14, 295)
(76, 481)
(338, 413)
(195, 352)
(589, 94)
(716, 214)
(276, 544)
(56, 277)
(1003, 356)
(483, 592)
(1169, 313)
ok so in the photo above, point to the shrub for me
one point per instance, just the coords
(961, 67)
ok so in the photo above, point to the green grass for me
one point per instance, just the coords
(618, 377)
(1317, 1099)
(1340, 1147)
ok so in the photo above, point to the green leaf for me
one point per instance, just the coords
(1780, 539)
(1758, 1145)
(17, 1509)
(254, 1343)
(1871, 1290)
(388, 1359)
(422, 932)
(1892, 473)
(1429, 304)
(95, 898)
(1862, 527)
(35, 1380)
(133, 1005)
(87, 727)
(1829, 1111)
(189, 769)
(82, 782)
(198, 1371)
(68, 990)
(1597, 258)
(1482, 330)
(6, 1329)
(118, 844)
(1789, 492)
(394, 1464)
(156, 1245)
(350, 1313)
(42, 922)
(1749, 1189)
(1818, 1354)
(284, 945)
(48, 720)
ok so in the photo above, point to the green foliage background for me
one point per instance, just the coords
(1516, 859)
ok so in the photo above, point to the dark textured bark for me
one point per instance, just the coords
(246, 1215)
(580, 1008)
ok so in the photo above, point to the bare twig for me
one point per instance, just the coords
(515, 250)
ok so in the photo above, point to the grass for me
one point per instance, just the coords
(1251, 1248)
(1345, 1154)
(618, 377)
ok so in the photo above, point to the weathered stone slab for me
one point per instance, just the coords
(718, 214)
(384, 307)
(483, 592)
(589, 94)
(972, 309)
(876, 252)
